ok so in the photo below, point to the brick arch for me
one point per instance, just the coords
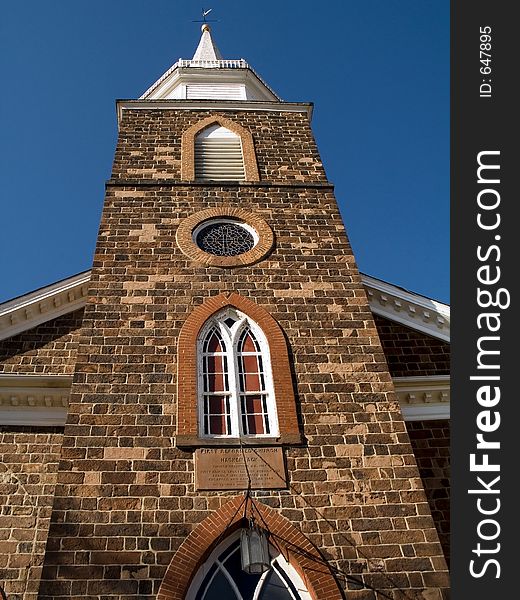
(187, 400)
(301, 553)
(188, 146)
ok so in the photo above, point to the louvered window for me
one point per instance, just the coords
(215, 91)
(218, 155)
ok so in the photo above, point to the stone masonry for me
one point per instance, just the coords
(28, 465)
(48, 349)
(411, 353)
(125, 498)
(29, 456)
(431, 445)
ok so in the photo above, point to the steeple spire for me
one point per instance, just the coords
(208, 76)
(206, 50)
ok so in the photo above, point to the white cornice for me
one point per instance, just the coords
(392, 302)
(43, 305)
(38, 400)
(414, 311)
(423, 398)
(222, 105)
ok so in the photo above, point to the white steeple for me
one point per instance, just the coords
(206, 50)
(207, 76)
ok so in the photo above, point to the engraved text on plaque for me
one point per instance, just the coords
(225, 468)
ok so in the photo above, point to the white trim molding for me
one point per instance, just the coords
(43, 305)
(34, 400)
(423, 398)
(415, 311)
(214, 71)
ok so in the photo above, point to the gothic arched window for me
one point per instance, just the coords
(234, 376)
(218, 155)
(235, 388)
(222, 577)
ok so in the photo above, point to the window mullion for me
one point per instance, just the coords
(260, 402)
(237, 328)
(232, 381)
(232, 583)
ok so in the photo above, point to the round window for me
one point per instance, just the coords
(225, 237)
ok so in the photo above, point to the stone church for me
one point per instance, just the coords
(223, 407)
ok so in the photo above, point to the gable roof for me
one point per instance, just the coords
(44, 304)
(392, 302)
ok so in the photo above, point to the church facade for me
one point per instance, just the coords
(223, 406)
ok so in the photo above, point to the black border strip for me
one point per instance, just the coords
(484, 124)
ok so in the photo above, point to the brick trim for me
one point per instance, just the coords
(187, 421)
(301, 553)
(188, 147)
(184, 237)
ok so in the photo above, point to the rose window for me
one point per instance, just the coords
(225, 237)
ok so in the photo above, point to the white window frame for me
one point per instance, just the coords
(231, 337)
(276, 558)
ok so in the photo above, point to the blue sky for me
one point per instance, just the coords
(376, 70)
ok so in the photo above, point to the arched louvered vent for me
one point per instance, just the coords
(218, 155)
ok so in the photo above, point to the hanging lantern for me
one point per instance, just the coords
(254, 550)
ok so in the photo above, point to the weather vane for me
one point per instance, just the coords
(205, 13)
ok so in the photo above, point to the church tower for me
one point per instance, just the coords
(233, 431)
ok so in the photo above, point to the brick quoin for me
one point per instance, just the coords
(303, 556)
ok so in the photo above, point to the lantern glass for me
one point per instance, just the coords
(254, 551)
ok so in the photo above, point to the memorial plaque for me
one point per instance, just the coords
(225, 468)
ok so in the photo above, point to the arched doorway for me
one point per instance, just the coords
(307, 569)
(221, 576)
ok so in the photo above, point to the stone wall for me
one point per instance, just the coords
(48, 349)
(412, 353)
(431, 445)
(28, 464)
